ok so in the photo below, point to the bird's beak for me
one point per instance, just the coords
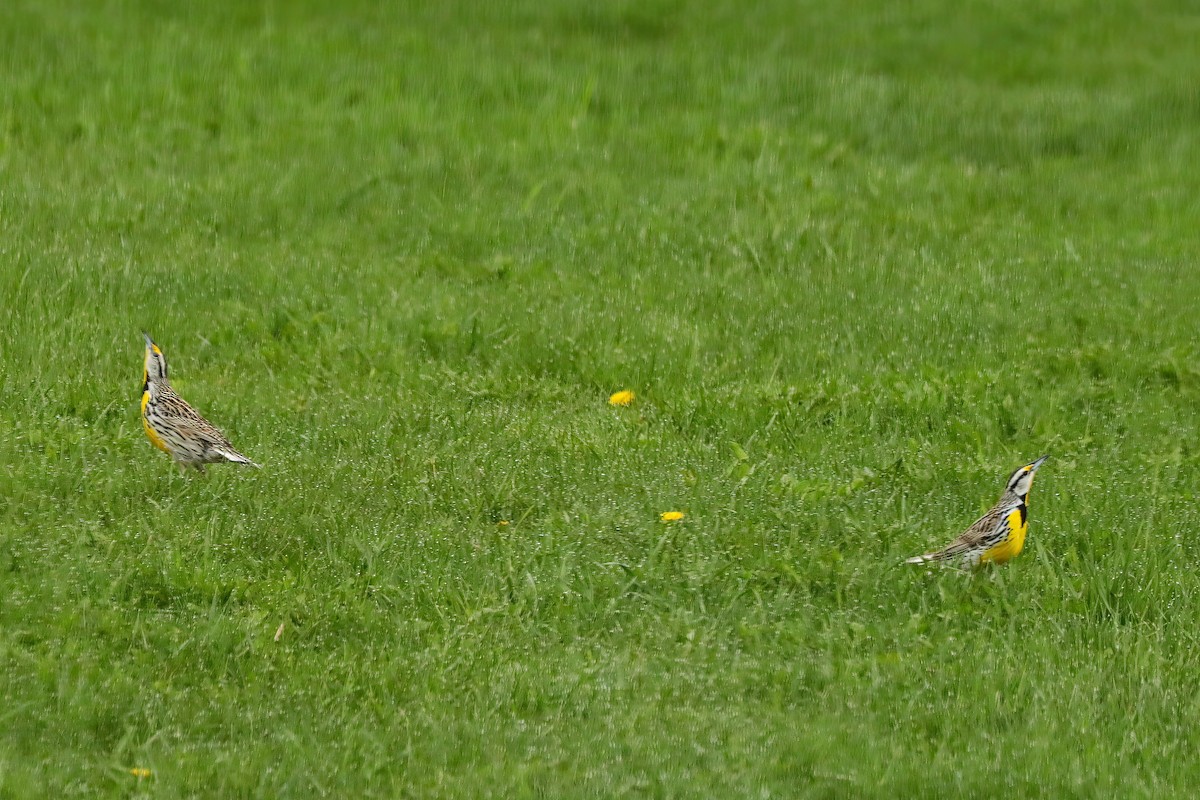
(1033, 467)
(149, 341)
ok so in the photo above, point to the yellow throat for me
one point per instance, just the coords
(154, 438)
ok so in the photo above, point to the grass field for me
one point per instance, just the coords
(857, 261)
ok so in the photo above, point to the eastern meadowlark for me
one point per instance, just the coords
(173, 426)
(999, 534)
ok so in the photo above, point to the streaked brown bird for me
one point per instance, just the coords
(999, 534)
(175, 427)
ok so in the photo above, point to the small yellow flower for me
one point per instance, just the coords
(622, 398)
(140, 772)
(671, 516)
(502, 523)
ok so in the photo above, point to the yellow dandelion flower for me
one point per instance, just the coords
(140, 772)
(671, 516)
(621, 398)
(502, 523)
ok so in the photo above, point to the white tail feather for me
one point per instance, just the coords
(236, 457)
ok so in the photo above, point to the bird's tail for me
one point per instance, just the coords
(237, 458)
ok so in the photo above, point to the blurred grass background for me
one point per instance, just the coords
(858, 261)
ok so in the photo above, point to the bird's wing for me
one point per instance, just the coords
(970, 539)
(981, 529)
(202, 430)
(214, 441)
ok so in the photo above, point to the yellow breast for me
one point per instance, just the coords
(154, 438)
(1012, 544)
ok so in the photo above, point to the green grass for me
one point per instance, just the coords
(858, 261)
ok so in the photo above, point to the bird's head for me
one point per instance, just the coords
(1020, 481)
(154, 372)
